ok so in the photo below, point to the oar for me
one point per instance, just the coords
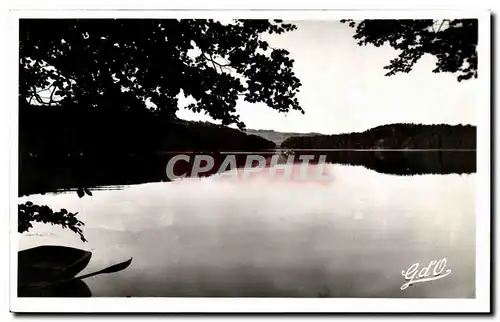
(112, 269)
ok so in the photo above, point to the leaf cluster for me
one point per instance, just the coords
(452, 42)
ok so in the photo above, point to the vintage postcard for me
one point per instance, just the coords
(250, 161)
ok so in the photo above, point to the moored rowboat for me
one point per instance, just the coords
(50, 264)
(51, 270)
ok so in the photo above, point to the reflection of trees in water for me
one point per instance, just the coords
(88, 172)
(408, 162)
(93, 172)
(39, 175)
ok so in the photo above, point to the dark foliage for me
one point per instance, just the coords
(56, 133)
(120, 64)
(59, 150)
(371, 143)
(109, 88)
(29, 212)
(452, 42)
(393, 136)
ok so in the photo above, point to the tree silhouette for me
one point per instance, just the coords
(29, 212)
(452, 42)
(139, 63)
(110, 87)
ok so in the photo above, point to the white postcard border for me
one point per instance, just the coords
(233, 305)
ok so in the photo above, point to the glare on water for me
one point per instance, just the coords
(350, 237)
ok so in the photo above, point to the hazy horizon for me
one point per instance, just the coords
(359, 131)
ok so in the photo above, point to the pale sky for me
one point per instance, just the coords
(344, 88)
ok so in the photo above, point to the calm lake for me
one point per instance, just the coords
(348, 237)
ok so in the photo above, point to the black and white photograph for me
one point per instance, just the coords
(263, 156)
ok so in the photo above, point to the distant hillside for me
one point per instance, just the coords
(56, 131)
(392, 136)
(277, 137)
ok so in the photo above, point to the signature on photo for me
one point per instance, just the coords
(433, 271)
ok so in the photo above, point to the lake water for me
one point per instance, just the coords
(350, 237)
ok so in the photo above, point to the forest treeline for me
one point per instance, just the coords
(64, 147)
(70, 147)
(392, 136)
(64, 130)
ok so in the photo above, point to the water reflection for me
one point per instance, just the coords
(207, 237)
(38, 175)
(75, 288)
(408, 162)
